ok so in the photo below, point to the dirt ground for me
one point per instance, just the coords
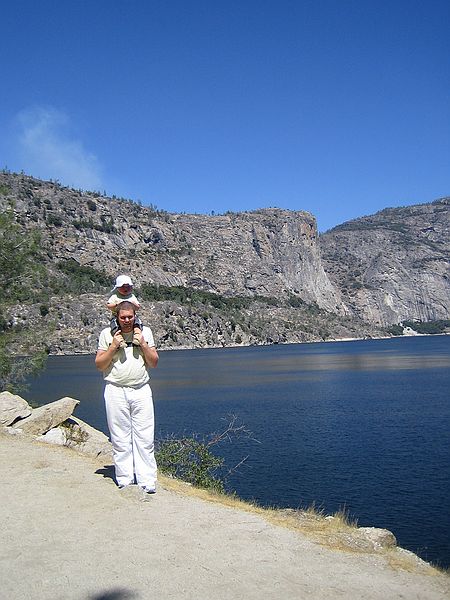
(69, 533)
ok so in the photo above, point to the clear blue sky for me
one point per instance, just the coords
(338, 107)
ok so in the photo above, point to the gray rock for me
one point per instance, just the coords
(366, 539)
(46, 417)
(351, 281)
(394, 265)
(379, 538)
(12, 407)
(75, 433)
(55, 436)
(87, 439)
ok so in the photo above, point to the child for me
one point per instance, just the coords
(124, 291)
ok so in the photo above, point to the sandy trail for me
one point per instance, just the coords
(69, 533)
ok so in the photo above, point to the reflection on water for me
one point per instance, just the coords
(260, 366)
(363, 424)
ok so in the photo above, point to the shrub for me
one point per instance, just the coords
(43, 309)
(80, 278)
(192, 459)
(395, 330)
(428, 327)
(190, 296)
(54, 220)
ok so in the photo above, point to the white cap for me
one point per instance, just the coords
(123, 280)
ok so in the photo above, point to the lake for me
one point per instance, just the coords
(362, 425)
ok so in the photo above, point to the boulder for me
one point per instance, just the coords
(379, 538)
(77, 434)
(92, 441)
(366, 539)
(53, 436)
(12, 407)
(48, 416)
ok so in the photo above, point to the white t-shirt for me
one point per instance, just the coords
(127, 367)
(117, 298)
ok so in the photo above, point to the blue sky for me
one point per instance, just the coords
(340, 108)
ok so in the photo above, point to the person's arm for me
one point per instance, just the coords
(104, 358)
(134, 301)
(149, 352)
(112, 303)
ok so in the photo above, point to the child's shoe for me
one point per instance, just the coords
(136, 340)
(123, 344)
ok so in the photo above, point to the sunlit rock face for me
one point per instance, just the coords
(393, 265)
(269, 252)
(371, 272)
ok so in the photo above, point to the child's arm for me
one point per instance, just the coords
(112, 303)
(134, 301)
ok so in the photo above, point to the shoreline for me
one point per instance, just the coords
(329, 341)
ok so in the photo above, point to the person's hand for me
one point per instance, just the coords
(139, 337)
(117, 340)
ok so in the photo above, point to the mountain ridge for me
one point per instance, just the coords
(298, 285)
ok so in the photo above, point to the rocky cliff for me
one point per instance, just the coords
(268, 252)
(258, 277)
(393, 265)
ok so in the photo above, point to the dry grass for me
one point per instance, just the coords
(337, 531)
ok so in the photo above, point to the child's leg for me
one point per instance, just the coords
(137, 329)
(114, 325)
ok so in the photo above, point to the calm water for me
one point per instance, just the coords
(363, 425)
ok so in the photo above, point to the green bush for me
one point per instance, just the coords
(54, 220)
(395, 330)
(191, 459)
(80, 279)
(21, 261)
(43, 309)
(190, 296)
(428, 327)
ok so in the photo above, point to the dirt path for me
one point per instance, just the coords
(69, 533)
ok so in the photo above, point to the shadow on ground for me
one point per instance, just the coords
(118, 594)
(108, 473)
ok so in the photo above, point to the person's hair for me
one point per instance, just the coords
(125, 305)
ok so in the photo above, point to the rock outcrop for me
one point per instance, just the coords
(269, 252)
(351, 282)
(75, 433)
(46, 417)
(394, 265)
(53, 423)
(12, 408)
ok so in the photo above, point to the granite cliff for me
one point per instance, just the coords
(394, 265)
(269, 252)
(250, 278)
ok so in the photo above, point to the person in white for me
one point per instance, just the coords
(123, 291)
(128, 399)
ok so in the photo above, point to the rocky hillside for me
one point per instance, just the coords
(394, 265)
(239, 278)
(269, 252)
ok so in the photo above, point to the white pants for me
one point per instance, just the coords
(131, 423)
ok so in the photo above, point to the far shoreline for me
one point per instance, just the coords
(231, 346)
